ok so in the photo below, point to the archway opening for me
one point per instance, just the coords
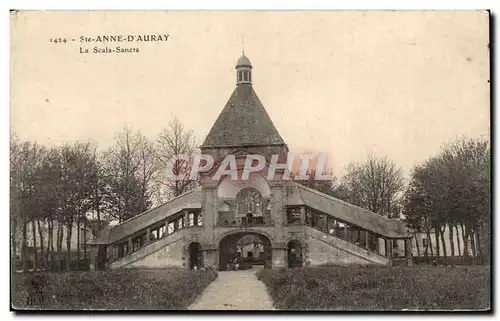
(294, 254)
(195, 255)
(243, 250)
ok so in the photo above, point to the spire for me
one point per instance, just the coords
(243, 121)
(243, 69)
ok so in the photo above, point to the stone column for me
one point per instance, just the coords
(279, 256)
(277, 213)
(303, 215)
(387, 247)
(209, 257)
(130, 247)
(186, 218)
(209, 214)
(148, 232)
(367, 239)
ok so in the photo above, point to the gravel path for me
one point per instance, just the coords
(234, 290)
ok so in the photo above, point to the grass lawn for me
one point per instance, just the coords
(129, 289)
(379, 288)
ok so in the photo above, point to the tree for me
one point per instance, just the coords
(468, 167)
(452, 190)
(15, 191)
(375, 184)
(26, 159)
(173, 144)
(77, 170)
(128, 172)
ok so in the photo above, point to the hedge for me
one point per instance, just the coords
(379, 288)
(159, 289)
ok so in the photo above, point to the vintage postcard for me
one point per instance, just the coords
(250, 160)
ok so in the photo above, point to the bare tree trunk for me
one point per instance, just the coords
(473, 245)
(68, 245)
(465, 238)
(59, 237)
(452, 243)
(52, 243)
(13, 234)
(50, 240)
(33, 231)
(78, 241)
(478, 241)
(438, 252)
(429, 243)
(459, 249)
(445, 256)
(416, 242)
(24, 249)
(43, 262)
(85, 240)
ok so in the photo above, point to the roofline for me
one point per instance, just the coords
(386, 219)
(154, 208)
(342, 201)
(242, 145)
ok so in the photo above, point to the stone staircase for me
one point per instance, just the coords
(325, 248)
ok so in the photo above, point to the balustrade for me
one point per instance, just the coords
(347, 232)
(152, 234)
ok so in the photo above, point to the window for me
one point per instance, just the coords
(314, 219)
(309, 217)
(163, 230)
(340, 229)
(425, 242)
(191, 219)
(180, 222)
(293, 216)
(199, 219)
(331, 225)
(249, 200)
(171, 228)
(322, 222)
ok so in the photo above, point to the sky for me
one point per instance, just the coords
(345, 83)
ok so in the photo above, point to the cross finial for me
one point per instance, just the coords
(242, 45)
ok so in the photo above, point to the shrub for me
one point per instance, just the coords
(117, 289)
(379, 288)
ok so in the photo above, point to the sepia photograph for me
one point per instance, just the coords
(250, 161)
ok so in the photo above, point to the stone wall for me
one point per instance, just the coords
(327, 249)
(166, 252)
(168, 256)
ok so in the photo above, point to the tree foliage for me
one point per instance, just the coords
(60, 191)
(452, 190)
(376, 184)
(176, 145)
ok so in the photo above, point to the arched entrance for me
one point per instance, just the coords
(246, 249)
(194, 255)
(294, 248)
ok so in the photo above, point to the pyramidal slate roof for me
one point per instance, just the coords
(243, 122)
